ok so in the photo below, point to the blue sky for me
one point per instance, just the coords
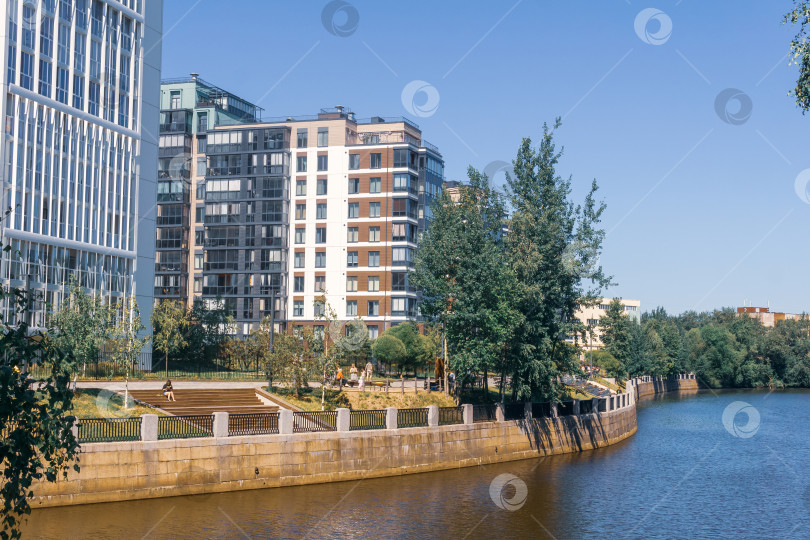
(702, 213)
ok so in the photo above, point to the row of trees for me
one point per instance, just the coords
(506, 285)
(723, 348)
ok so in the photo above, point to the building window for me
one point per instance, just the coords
(320, 235)
(374, 308)
(373, 234)
(201, 166)
(323, 137)
(354, 186)
(352, 259)
(29, 24)
(198, 262)
(373, 283)
(301, 211)
(298, 308)
(320, 283)
(175, 99)
(373, 331)
(198, 284)
(320, 259)
(374, 210)
(354, 161)
(12, 64)
(320, 186)
(78, 92)
(301, 164)
(399, 281)
(351, 308)
(351, 284)
(302, 137)
(46, 36)
(201, 145)
(374, 185)
(400, 157)
(354, 210)
(93, 98)
(401, 256)
(300, 235)
(63, 52)
(298, 284)
(376, 161)
(298, 259)
(27, 71)
(318, 312)
(323, 163)
(352, 234)
(300, 188)
(62, 85)
(79, 49)
(45, 78)
(373, 259)
(202, 122)
(320, 211)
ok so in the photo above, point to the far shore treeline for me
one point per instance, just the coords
(722, 348)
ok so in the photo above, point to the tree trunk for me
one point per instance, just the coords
(402, 382)
(126, 391)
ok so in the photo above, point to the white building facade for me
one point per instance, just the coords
(81, 85)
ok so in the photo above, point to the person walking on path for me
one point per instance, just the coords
(362, 386)
(353, 373)
(168, 391)
(369, 369)
(339, 376)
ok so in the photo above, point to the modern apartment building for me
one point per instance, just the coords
(189, 107)
(283, 212)
(79, 96)
(589, 317)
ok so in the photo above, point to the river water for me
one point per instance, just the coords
(683, 475)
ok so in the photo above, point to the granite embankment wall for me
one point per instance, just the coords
(162, 468)
(648, 386)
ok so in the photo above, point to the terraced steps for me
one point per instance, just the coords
(205, 401)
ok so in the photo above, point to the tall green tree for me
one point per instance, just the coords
(36, 440)
(553, 248)
(125, 343)
(169, 323)
(80, 326)
(800, 52)
(466, 281)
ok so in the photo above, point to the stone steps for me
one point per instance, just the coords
(205, 401)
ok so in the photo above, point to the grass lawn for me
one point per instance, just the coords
(96, 403)
(309, 399)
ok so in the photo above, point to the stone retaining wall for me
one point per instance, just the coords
(648, 386)
(149, 469)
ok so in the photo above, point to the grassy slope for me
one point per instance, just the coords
(95, 403)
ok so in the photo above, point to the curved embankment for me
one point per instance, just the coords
(149, 469)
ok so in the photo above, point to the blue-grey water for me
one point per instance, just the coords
(683, 475)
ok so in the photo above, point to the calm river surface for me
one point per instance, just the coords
(683, 475)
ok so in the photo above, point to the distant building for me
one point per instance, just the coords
(767, 317)
(589, 316)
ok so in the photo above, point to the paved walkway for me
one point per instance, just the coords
(157, 385)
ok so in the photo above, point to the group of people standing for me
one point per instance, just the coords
(365, 375)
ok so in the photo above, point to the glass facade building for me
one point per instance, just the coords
(80, 101)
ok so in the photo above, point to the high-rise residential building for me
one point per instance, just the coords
(80, 99)
(189, 108)
(282, 212)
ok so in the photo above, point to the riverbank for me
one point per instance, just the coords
(162, 468)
